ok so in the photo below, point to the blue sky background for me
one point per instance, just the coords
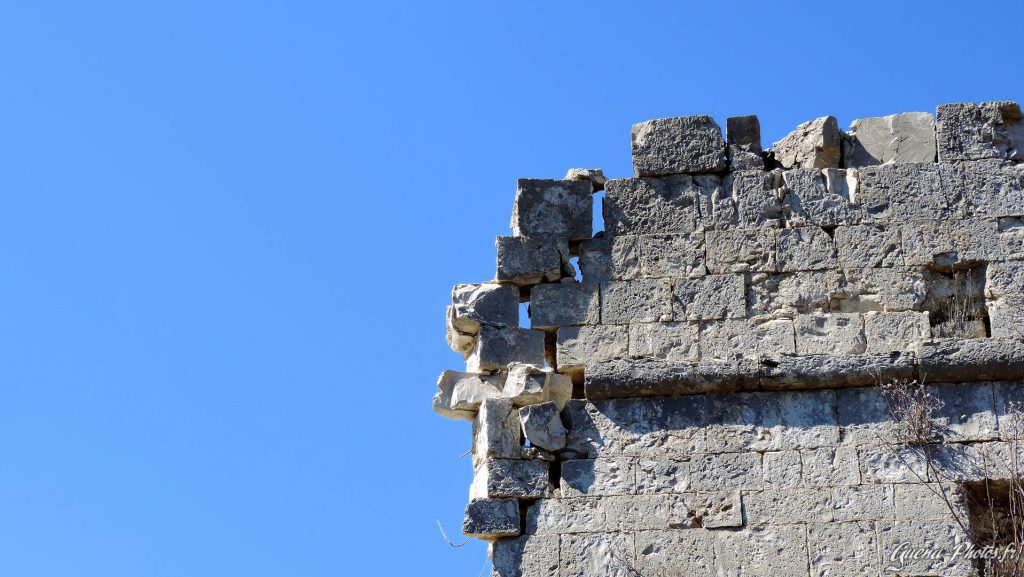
(229, 230)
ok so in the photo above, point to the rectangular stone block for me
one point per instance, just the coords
(784, 506)
(495, 349)
(590, 554)
(527, 556)
(986, 188)
(958, 462)
(904, 331)
(609, 258)
(869, 246)
(720, 471)
(576, 346)
(490, 304)
(782, 469)
(526, 261)
(642, 512)
(709, 298)
(672, 255)
(655, 377)
(564, 304)
(638, 301)
(511, 478)
(794, 372)
(674, 552)
(793, 293)
(566, 515)
(835, 333)
(900, 539)
(710, 510)
(741, 250)
(843, 549)
(864, 416)
(729, 339)
(1011, 238)
(1009, 407)
(661, 428)
(805, 248)
(459, 394)
(863, 503)
(490, 519)
(929, 502)
(969, 131)
(1004, 298)
(758, 197)
(675, 342)
(666, 205)
(950, 244)
(897, 138)
(716, 204)
(663, 476)
(772, 421)
(829, 467)
(813, 144)
(883, 289)
(559, 208)
(892, 464)
(900, 193)
(817, 198)
(761, 551)
(677, 145)
(967, 411)
(588, 477)
(496, 431)
(962, 360)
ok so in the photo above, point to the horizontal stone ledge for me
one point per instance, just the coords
(648, 378)
(993, 359)
(792, 372)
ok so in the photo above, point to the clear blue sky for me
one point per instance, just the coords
(229, 230)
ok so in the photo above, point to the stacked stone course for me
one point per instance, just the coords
(705, 400)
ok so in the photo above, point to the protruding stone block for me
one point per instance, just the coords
(650, 205)
(491, 519)
(497, 431)
(473, 305)
(593, 175)
(970, 131)
(897, 138)
(564, 304)
(674, 342)
(678, 145)
(559, 208)
(786, 372)
(543, 427)
(497, 348)
(525, 261)
(527, 556)
(709, 298)
(648, 378)
(459, 394)
(511, 478)
(639, 301)
(814, 144)
(530, 385)
(576, 346)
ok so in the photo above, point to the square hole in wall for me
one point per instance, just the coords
(956, 304)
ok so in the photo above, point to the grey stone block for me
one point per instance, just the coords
(710, 510)
(709, 298)
(560, 208)
(674, 552)
(490, 519)
(576, 346)
(829, 467)
(897, 138)
(963, 360)
(929, 502)
(659, 428)
(530, 385)
(716, 203)
(730, 339)
(638, 301)
(588, 477)
(985, 188)
(903, 331)
(793, 293)
(967, 411)
(833, 333)
(772, 421)
(496, 349)
(673, 342)
(741, 250)
(806, 248)
(958, 462)
(758, 197)
(595, 176)
(863, 503)
(542, 426)
(590, 554)
(869, 246)
(817, 197)
(650, 205)
(900, 193)
(473, 305)
(663, 477)
(646, 377)
(643, 512)
(671, 255)
(496, 431)
(968, 131)
(1009, 407)
(526, 261)
(761, 551)
(892, 464)
(459, 395)
(786, 372)
(744, 132)
(554, 516)
(676, 145)
(948, 245)
(939, 538)
(532, 556)
(784, 506)
(814, 144)
(511, 478)
(1004, 299)
(781, 469)
(843, 549)
(595, 259)
(564, 304)
(883, 289)
(726, 471)
(864, 415)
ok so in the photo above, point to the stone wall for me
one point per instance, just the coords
(696, 389)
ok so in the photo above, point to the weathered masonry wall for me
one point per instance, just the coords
(701, 397)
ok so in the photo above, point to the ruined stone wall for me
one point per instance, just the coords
(697, 391)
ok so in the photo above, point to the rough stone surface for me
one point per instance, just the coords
(593, 175)
(542, 426)
(674, 342)
(526, 261)
(510, 478)
(708, 298)
(898, 193)
(746, 338)
(640, 301)
(868, 246)
(579, 345)
(459, 394)
(650, 205)
(677, 145)
(559, 208)
(814, 144)
(496, 349)
(742, 250)
(978, 131)
(491, 518)
(473, 305)
(588, 477)
(496, 431)
(837, 333)
(820, 198)
(806, 248)
(564, 304)
(532, 556)
(897, 138)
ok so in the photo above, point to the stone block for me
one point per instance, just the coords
(677, 145)
(643, 512)
(741, 250)
(814, 144)
(965, 360)
(663, 428)
(531, 385)
(789, 372)
(892, 464)
(672, 255)
(968, 131)
(784, 506)
(903, 331)
(588, 477)
(496, 349)
(985, 188)
(843, 549)
(528, 556)
(564, 304)
(829, 467)
(655, 476)
(595, 176)
(542, 426)
(806, 248)
(674, 342)
(869, 246)
(883, 289)
(490, 519)
(674, 552)
(782, 469)
(576, 346)
(958, 462)
(786, 295)
(864, 415)
(1011, 238)
(596, 259)
(897, 138)
(1004, 296)
(929, 502)
(716, 204)
(638, 301)
(554, 516)
(494, 305)
(833, 333)
(863, 503)
(496, 431)
(559, 208)
(899, 541)
(653, 377)
(762, 551)
(949, 245)
(650, 205)
(730, 339)
(722, 471)
(900, 193)
(817, 197)
(758, 197)
(967, 411)
(744, 132)
(459, 395)
(525, 261)
(772, 421)
(1009, 407)
(709, 298)
(511, 478)
(590, 554)
(710, 510)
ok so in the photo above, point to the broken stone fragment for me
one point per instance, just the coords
(686, 144)
(497, 433)
(474, 305)
(495, 349)
(744, 138)
(814, 144)
(898, 138)
(459, 394)
(542, 426)
(968, 131)
(490, 519)
(559, 208)
(594, 175)
(525, 261)
(530, 385)
(511, 478)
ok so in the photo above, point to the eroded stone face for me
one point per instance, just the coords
(814, 144)
(688, 144)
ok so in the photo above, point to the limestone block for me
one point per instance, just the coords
(986, 188)
(525, 384)
(892, 464)
(626, 257)
(817, 197)
(675, 342)
(507, 478)
(491, 518)
(784, 506)
(883, 289)
(869, 246)
(833, 333)
(542, 426)
(967, 411)
(610, 258)
(527, 556)
(664, 427)
(473, 305)
(643, 512)
(1011, 238)
(949, 245)
(671, 255)
(829, 467)
(1004, 296)
(708, 298)
(564, 304)
(929, 501)
(758, 197)
(497, 348)
(761, 551)
(897, 138)
(863, 503)
(560, 208)
(676, 145)
(730, 339)
(786, 295)
(772, 421)
(806, 248)
(496, 431)
(587, 477)
(720, 471)
(814, 144)
(781, 469)
(843, 549)
(459, 395)
(900, 193)
(576, 346)
(741, 250)
(788, 372)
(899, 540)
(589, 554)
(716, 204)
(999, 460)
(959, 462)
(963, 360)
(864, 415)
(524, 261)
(638, 301)
(655, 476)
(650, 205)
(903, 331)
(593, 175)
(652, 377)
(554, 516)
(710, 510)
(1009, 406)
(744, 140)
(968, 131)
(674, 552)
